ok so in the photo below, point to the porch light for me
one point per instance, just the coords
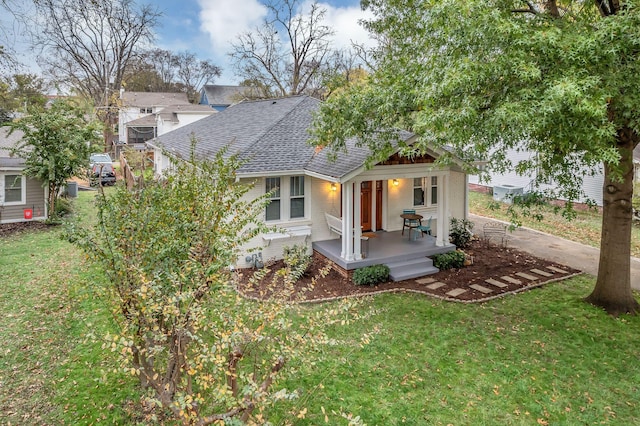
(395, 182)
(334, 187)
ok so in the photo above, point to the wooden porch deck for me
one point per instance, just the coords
(387, 247)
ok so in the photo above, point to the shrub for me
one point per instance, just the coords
(63, 207)
(297, 261)
(453, 259)
(371, 275)
(460, 233)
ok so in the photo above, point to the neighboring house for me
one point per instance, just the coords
(221, 97)
(318, 202)
(137, 115)
(511, 182)
(21, 198)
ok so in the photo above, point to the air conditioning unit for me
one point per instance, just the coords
(505, 193)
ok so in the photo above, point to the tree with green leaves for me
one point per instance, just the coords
(203, 352)
(557, 78)
(56, 144)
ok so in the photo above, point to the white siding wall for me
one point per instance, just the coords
(273, 249)
(457, 198)
(126, 115)
(592, 185)
(183, 119)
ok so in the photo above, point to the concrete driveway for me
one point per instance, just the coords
(557, 249)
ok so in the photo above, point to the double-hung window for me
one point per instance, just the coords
(297, 197)
(13, 189)
(425, 191)
(273, 208)
(287, 198)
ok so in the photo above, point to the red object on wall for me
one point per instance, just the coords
(28, 213)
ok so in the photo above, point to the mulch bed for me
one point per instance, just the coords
(489, 261)
(7, 229)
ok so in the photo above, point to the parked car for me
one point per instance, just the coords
(99, 158)
(102, 174)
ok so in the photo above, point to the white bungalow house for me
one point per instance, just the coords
(339, 209)
(22, 198)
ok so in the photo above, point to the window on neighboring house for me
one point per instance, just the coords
(273, 208)
(297, 197)
(425, 191)
(13, 189)
(146, 110)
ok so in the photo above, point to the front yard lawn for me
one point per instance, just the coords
(540, 357)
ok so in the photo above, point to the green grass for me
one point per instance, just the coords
(540, 356)
(543, 354)
(51, 370)
(584, 228)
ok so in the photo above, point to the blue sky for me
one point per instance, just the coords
(206, 27)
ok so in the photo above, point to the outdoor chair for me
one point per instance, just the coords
(409, 223)
(425, 229)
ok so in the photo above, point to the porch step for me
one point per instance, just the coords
(413, 268)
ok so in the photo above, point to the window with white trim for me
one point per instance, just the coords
(273, 208)
(12, 189)
(287, 198)
(296, 191)
(425, 191)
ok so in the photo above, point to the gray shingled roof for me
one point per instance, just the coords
(153, 99)
(225, 95)
(272, 135)
(6, 143)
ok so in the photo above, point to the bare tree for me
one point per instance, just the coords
(163, 70)
(193, 73)
(88, 44)
(91, 43)
(287, 51)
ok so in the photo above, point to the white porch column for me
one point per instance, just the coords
(343, 215)
(357, 220)
(440, 228)
(347, 221)
(445, 198)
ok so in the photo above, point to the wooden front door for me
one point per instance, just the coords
(378, 205)
(366, 192)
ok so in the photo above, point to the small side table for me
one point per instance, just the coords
(366, 236)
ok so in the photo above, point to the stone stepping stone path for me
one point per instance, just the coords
(526, 276)
(481, 289)
(435, 285)
(456, 292)
(511, 280)
(543, 273)
(496, 283)
(558, 270)
(495, 287)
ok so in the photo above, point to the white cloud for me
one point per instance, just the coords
(223, 20)
(344, 21)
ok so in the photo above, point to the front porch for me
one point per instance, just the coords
(385, 248)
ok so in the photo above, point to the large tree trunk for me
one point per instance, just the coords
(613, 286)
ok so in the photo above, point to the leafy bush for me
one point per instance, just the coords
(297, 261)
(63, 207)
(453, 259)
(460, 233)
(371, 275)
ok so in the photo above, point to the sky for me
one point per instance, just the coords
(206, 28)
